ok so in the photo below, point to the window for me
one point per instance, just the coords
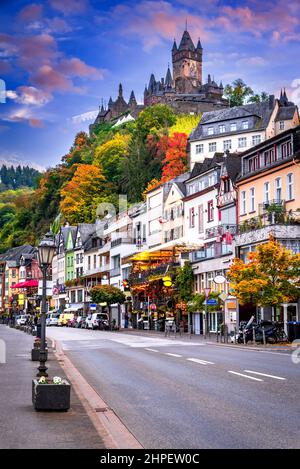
(212, 146)
(192, 217)
(290, 186)
(256, 139)
(233, 127)
(210, 131)
(199, 148)
(281, 125)
(266, 192)
(79, 296)
(89, 262)
(278, 189)
(227, 144)
(200, 219)
(210, 210)
(252, 199)
(222, 129)
(242, 142)
(286, 150)
(95, 261)
(245, 125)
(243, 203)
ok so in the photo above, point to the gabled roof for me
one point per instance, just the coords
(233, 163)
(86, 230)
(285, 113)
(206, 165)
(14, 255)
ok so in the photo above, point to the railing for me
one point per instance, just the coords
(269, 219)
(274, 205)
(217, 250)
(138, 241)
(102, 268)
(137, 278)
(220, 230)
(115, 272)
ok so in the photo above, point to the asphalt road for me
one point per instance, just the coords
(180, 394)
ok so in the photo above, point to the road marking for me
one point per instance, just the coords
(174, 355)
(263, 374)
(202, 362)
(245, 376)
(151, 350)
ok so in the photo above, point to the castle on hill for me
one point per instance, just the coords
(182, 89)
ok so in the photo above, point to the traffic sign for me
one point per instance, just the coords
(207, 292)
(93, 306)
(223, 296)
(211, 302)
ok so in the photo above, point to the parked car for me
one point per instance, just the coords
(64, 318)
(52, 319)
(97, 321)
(79, 321)
(72, 322)
(21, 320)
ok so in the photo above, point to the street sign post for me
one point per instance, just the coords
(211, 302)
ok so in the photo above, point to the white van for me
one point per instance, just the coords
(97, 321)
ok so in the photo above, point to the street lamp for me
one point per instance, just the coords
(46, 251)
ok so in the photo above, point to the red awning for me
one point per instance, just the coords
(27, 284)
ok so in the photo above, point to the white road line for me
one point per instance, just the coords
(173, 355)
(263, 374)
(202, 362)
(245, 376)
(151, 350)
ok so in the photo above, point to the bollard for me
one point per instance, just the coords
(226, 334)
(264, 335)
(244, 337)
(235, 335)
(253, 332)
(217, 335)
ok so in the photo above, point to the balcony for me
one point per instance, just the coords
(137, 278)
(220, 230)
(137, 241)
(217, 250)
(97, 270)
(115, 272)
(276, 206)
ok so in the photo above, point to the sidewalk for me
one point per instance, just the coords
(21, 426)
(211, 339)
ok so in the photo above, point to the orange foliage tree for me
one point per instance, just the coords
(175, 162)
(82, 194)
(270, 276)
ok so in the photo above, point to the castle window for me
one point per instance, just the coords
(222, 129)
(199, 148)
(210, 131)
(212, 146)
(281, 125)
(233, 127)
(227, 144)
(242, 142)
(245, 125)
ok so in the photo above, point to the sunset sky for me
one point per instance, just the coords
(60, 58)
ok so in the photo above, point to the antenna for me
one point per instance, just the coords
(186, 24)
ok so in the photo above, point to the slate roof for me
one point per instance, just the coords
(86, 230)
(262, 110)
(233, 163)
(207, 164)
(186, 42)
(14, 255)
(285, 113)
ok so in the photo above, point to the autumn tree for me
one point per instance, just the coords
(153, 119)
(175, 162)
(184, 124)
(109, 156)
(81, 196)
(270, 276)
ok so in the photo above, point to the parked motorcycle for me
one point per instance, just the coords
(268, 331)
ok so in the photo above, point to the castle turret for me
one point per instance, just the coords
(132, 101)
(168, 81)
(187, 64)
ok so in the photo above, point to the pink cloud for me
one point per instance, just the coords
(58, 25)
(35, 122)
(76, 67)
(49, 79)
(30, 13)
(69, 7)
(29, 95)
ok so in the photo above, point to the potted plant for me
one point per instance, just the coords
(35, 351)
(51, 394)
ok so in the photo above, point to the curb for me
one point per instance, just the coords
(110, 428)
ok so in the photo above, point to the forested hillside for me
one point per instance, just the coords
(21, 176)
(125, 159)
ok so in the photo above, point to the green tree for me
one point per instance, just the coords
(184, 281)
(153, 119)
(259, 98)
(109, 156)
(107, 294)
(237, 93)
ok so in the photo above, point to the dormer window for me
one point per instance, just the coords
(233, 127)
(245, 125)
(210, 131)
(281, 125)
(222, 129)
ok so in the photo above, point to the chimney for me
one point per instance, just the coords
(271, 101)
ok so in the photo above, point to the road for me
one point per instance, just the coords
(173, 393)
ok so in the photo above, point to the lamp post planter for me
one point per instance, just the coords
(51, 394)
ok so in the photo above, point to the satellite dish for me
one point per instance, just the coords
(219, 279)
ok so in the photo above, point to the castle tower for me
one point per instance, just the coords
(187, 64)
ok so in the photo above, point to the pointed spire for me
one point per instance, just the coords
(110, 102)
(199, 45)
(186, 26)
(285, 97)
(221, 85)
(132, 100)
(120, 91)
(280, 99)
(186, 42)
(209, 79)
(168, 80)
(102, 108)
(174, 48)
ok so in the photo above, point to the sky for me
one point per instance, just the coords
(60, 58)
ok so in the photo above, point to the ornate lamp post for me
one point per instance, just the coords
(46, 251)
